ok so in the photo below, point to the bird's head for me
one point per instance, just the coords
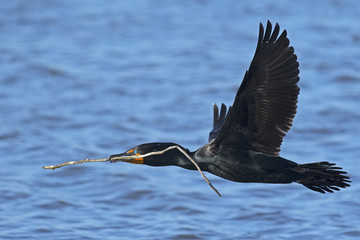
(153, 154)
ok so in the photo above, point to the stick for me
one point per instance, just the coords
(53, 167)
(123, 158)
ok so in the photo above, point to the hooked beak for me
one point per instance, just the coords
(128, 156)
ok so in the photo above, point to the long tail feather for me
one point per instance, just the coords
(322, 177)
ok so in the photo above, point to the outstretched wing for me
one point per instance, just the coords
(265, 103)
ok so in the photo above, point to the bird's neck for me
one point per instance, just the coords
(185, 162)
(175, 157)
(200, 160)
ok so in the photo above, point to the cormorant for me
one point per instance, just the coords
(244, 143)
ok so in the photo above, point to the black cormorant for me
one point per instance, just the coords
(244, 143)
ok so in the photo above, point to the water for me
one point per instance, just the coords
(86, 79)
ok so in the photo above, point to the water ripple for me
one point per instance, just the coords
(89, 80)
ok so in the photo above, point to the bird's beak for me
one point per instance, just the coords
(128, 156)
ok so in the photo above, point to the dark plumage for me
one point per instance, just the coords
(245, 142)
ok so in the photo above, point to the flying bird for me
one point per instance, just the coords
(245, 141)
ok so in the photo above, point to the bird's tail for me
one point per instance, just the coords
(322, 177)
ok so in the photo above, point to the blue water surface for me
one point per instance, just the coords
(87, 79)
